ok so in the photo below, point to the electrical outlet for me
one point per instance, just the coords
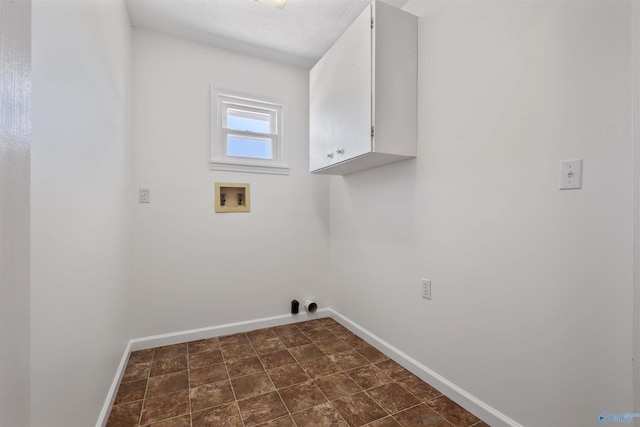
(144, 195)
(426, 289)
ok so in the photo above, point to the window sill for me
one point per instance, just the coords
(274, 168)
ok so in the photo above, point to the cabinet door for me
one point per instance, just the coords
(340, 98)
(321, 113)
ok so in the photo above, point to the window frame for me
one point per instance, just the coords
(223, 100)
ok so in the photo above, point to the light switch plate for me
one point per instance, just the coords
(571, 174)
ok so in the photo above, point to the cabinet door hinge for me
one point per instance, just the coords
(372, 131)
(371, 22)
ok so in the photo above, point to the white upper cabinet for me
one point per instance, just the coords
(363, 94)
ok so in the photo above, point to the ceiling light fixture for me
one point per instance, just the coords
(275, 3)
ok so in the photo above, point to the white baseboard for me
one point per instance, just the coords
(226, 329)
(487, 413)
(113, 390)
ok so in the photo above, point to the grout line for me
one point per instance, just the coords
(232, 388)
(189, 387)
(146, 387)
(278, 389)
(313, 380)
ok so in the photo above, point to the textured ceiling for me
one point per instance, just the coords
(297, 35)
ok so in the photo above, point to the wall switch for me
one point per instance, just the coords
(426, 289)
(144, 195)
(571, 174)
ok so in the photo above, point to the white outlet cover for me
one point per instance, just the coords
(426, 289)
(571, 174)
(144, 195)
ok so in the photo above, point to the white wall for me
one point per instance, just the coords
(532, 286)
(15, 138)
(81, 206)
(194, 268)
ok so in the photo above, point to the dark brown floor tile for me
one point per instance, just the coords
(343, 335)
(319, 367)
(384, 422)
(208, 374)
(286, 376)
(125, 414)
(348, 360)
(130, 392)
(394, 370)
(140, 356)
(246, 366)
(221, 416)
(355, 341)
(262, 408)
(369, 376)
(210, 395)
(261, 334)
(452, 412)
(277, 359)
(302, 396)
(183, 421)
(268, 345)
(310, 325)
(419, 388)
(308, 351)
(372, 354)
(337, 329)
(294, 340)
(283, 330)
(168, 366)
(136, 372)
(333, 346)
(285, 421)
(233, 340)
(337, 386)
(166, 406)
(251, 385)
(481, 424)
(201, 346)
(419, 416)
(327, 322)
(319, 416)
(320, 335)
(359, 409)
(236, 352)
(208, 358)
(393, 398)
(165, 384)
(170, 351)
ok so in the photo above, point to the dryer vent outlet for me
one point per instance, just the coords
(310, 305)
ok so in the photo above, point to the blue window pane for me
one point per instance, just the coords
(248, 121)
(248, 147)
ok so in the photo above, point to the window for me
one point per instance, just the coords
(247, 134)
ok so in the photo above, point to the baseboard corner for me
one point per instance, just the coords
(113, 389)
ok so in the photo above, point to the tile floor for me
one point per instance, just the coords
(314, 373)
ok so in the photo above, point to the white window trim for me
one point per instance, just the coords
(221, 100)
